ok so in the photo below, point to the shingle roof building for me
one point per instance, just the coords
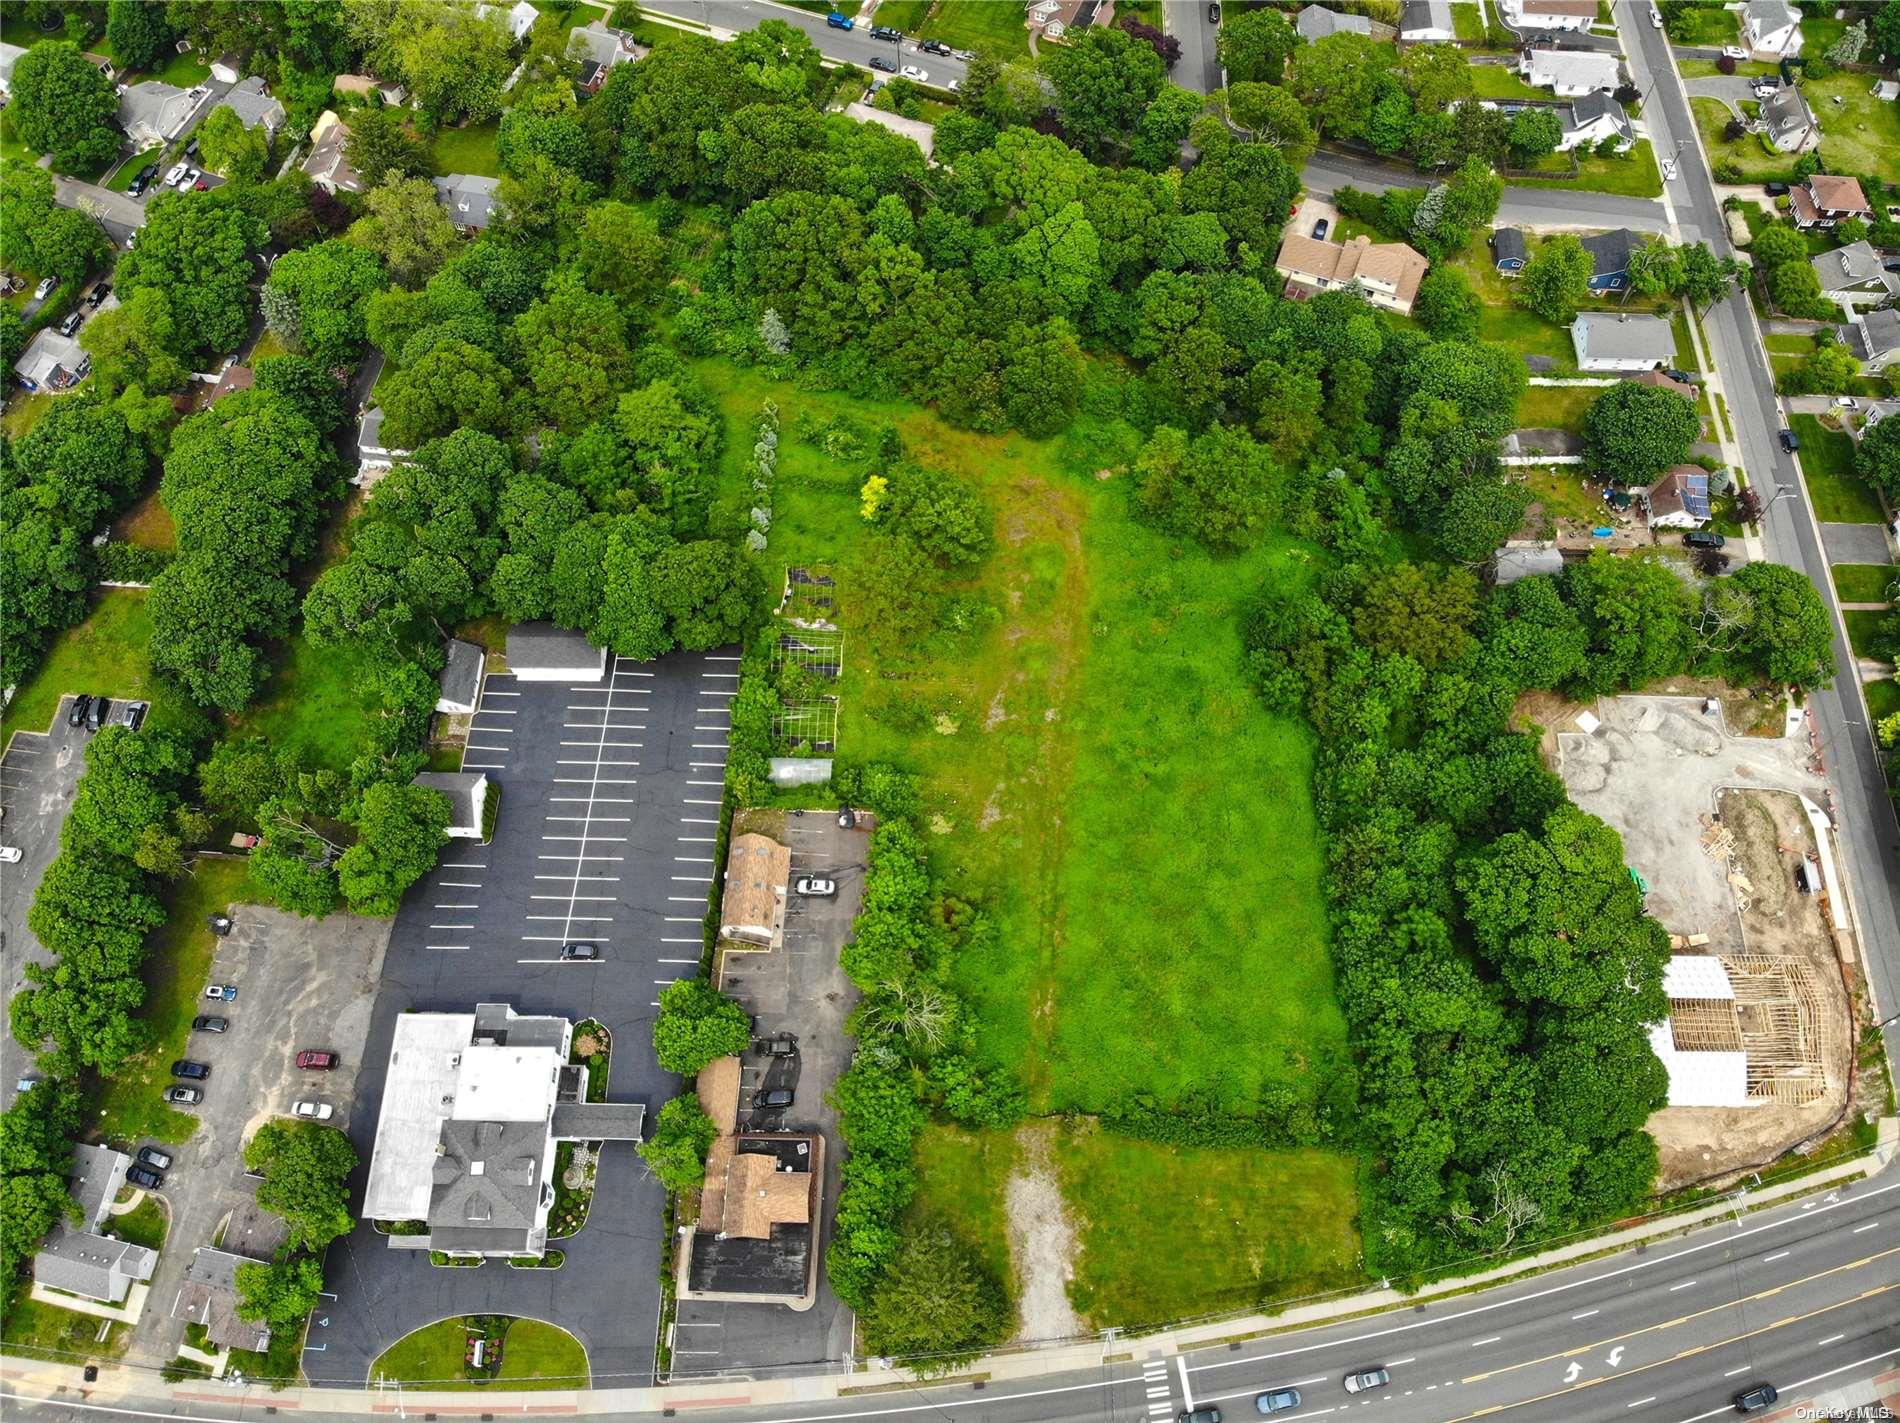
(1316, 22)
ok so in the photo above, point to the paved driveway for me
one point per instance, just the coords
(611, 795)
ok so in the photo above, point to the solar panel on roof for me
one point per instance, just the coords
(1695, 495)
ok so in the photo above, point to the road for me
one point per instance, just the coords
(1198, 68)
(118, 214)
(1869, 834)
(1802, 1296)
(724, 18)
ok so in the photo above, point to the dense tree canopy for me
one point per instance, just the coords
(64, 106)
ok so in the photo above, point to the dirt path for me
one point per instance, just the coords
(1041, 1240)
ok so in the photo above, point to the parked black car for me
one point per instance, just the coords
(1753, 1400)
(886, 33)
(97, 296)
(772, 1097)
(96, 716)
(934, 47)
(1696, 538)
(191, 1071)
(142, 180)
(878, 61)
(1790, 441)
(580, 951)
(208, 1024)
(139, 1176)
(82, 704)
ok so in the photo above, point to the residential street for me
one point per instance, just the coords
(724, 18)
(1547, 209)
(118, 214)
(1198, 68)
(1864, 811)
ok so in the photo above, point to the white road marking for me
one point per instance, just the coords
(569, 918)
(1586, 1314)
(1480, 1343)
(450, 948)
(458, 884)
(1641, 1402)
(1778, 1255)
(1859, 1228)
(1683, 1285)
(1394, 1363)
(483, 766)
(1831, 1339)
(1187, 1391)
(686, 899)
(559, 939)
(458, 906)
(1742, 1370)
(451, 926)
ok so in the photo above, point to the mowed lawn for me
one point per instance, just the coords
(534, 1355)
(994, 25)
(963, 1176)
(1827, 465)
(1170, 1232)
(103, 654)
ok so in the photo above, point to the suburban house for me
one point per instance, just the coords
(1620, 341)
(228, 67)
(1548, 14)
(1570, 73)
(51, 362)
(459, 686)
(542, 652)
(1855, 276)
(1426, 22)
(1679, 499)
(1387, 274)
(254, 106)
(209, 1297)
(759, 1208)
(1591, 119)
(758, 874)
(467, 795)
(9, 56)
(1789, 122)
(1509, 250)
(474, 1105)
(373, 458)
(78, 1259)
(328, 166)
(1053, 19)
(99, 62)
(153, 113)
(1874, 338)
(1611, 253)
(394, 95)
(1316, 22)
(599, 48)
(1700, 1042)
(518, 21)
(1663, 382)
(1825, 200)
(470, 199)
(1771, 29)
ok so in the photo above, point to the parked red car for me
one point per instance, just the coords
(316, 1061)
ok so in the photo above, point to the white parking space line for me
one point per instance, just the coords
(697, 839)
(595, 879)
(607, 859)
(682, 941)
(458, 906)
(558, 939)
(582, 898)
(569, 918)
(464, 865)
(699, 820)
(483, 766)
(686, 919)
(722, 676)
(692, 859)
(705, 802)
(473, 747)
(691, 879)
(458, 884)
(451, 926)
(613, 819)
(487, 693)
(692, 961)
(686, 899)
(449, 948)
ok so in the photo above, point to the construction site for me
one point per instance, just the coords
(1731, 839)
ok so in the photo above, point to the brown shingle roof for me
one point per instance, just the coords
(758, 1196)
(718, 1088)
(1584, 9)
(1390, 264)
(1835, 194)
(757, 870)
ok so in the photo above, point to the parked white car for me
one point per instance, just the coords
(315, 1111)
(914, 74)
(1655, 17)
(175, 172)
(1734, 51)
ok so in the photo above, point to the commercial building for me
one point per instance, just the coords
(758, 873)
(79, 1258)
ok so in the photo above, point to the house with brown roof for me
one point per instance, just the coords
(758, 872)
(235, 378)
(1662, 382)
(1055, 19)
(1679, 499)
(1386, 274)
(1825, 200)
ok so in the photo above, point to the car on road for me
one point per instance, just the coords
(887, 34)
(878, 61)
(46, 288)
(772, 1097)
(1321, 228)
(141, 180)
(316, 1060)
(96, 715)
(840, 22)
(1790, 441)
(158, 1160)
(1198, 1415)
(314, 1111)
(580, 951)
(1734, 51)
(207, 1023)
(1753, 1400)
(783, 1045)
(191, 1071)
(915, 75)
(814, 887)
(81, 705)
(142, 1176)
(1655, 18)
(225, 991)
(1277, 1400)
(934, 47)
(9, 854)
(955, 86)
(1213, 12)
(1366, 1379)
(70, 326)
(184, 1096)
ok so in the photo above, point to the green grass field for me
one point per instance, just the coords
(183, 71)
(315, 704)
(1633, 174)
(1756, 162)
(145, 1224)
(1827, 462)
(123, 175)
(1883, 699)
(1173, 1232)
(994, 25)
(1864, 582)
(1859, 133)
(534, 1355)
(469, 150)
(104, 654)
(1700, 25)
(962, 1175)
(1864, 630)
(1500, 81)
(177, 967)
(35, 1330)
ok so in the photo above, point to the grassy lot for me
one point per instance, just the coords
(1502, 322)
(962, 1175)
(183, 70)
(1167, 1232)
(147, 524)
(1701, 25)
(1706, 69)
(1558, 407)
(1827, 461)
(43, 1331)
(1466, 22)
(314, 704)
(1863, 630)
(905, 15)
(1859, 133)
(123, 175)
(24, 411)
(1864, 582)
(469, 150)
(176, 970)
(1883, 699)
(995, 25)
(1563, 494)
(1633, 174)
(533, 1355)
(145, 1225)
(1686, 358)
(1499, 81)
(105, 653)
(1756, 162)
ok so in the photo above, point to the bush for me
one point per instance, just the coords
(131, 563)
(1726, 64)
(696, 1024)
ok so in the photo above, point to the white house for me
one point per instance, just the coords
(1790, 123)
(1680, 499)
(1771, 29)
(542, 652)
(228, 67)
(1593, 118)
(153, 113)
(1570, 73)
(9, 56)
(467, 795)
(254, 106)
(1548, 14)
(518, 20)
(1622, 341)
(1426, 22)
(1316, 22)
(1874, 338)
(1855, 276)
(459, 685)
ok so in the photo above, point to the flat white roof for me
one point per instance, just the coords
(1697, 976)
(418, 1095)
(506, 1084)
(1701, 1079)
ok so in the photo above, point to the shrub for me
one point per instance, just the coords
(696, 1024)
(1726, 64)
(131, 563)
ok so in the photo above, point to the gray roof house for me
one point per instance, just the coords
(328, 166)
(1610, 254)
(9, 56)
(1570, 73)
(1509, 249)
(1874, 338)
(1772, 28)
(372, 455)
(1594, 117)
(1525, 560)
(253, 105)
(598, 48)
(1316, 22)
(460, 684)
(1791, 124)
(51, 362)
(152, 112)
(1424, 21)
(208, 1296)
(1620, 341)
(82, 1261)
(469, 199)
(1855, 276)
(467, 795)
(542, 652)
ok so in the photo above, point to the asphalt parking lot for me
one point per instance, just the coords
(797, 989)
(301, 983)
(610, 802)
(37, 774)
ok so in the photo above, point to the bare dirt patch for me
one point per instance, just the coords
(1042, 1242)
